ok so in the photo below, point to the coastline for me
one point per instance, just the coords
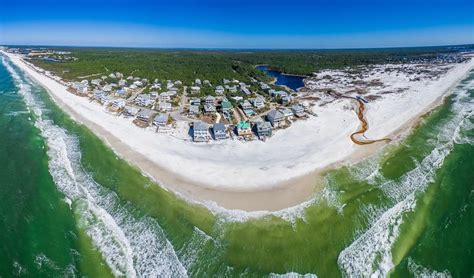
(280, 194)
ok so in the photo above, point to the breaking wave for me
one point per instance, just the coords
(130, 246)
(370, 253)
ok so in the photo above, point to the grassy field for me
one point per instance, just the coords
(214, 65)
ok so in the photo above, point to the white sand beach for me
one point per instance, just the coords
(271, 175)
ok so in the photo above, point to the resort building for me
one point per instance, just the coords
(200, 132)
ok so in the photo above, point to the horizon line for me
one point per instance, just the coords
(231, 48)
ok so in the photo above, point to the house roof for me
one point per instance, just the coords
(226, 104)
(145, 113)
(275, 114)
(200, 126)
(162, 118)
(243, 125)
(218, 127)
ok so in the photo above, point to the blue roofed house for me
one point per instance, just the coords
(276, 118)
(200, 132)
(219, 131)
(264, 129)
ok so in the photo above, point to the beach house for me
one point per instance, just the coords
(144, 117)
(219, 131)
(165, 106)
(258, 102)
(219, 90)
(298, 110)
(263, 129)
(276, 118)
(117, 104)
(161, 120)
(165, 96)
(200, 132)
(243, 129)
(144, 100)
(209, 100)
(194, 110)
(130, 111)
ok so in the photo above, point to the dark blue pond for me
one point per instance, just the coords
(292, 81)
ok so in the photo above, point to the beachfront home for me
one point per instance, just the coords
(161, 120)
(210, 100)
(200, 132)
(298, 110)
(287, 113)
(193, 110)
(80, 88)
(116, 104)
(219, 90)
(121, 93)
(145, 115)
(144, 100)
(243, 129)
(264, 129)
(276, 118)
(165, 106)
(219, 131)
(130, 111)
(98, 95)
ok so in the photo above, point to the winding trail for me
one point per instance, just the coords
(364, 127)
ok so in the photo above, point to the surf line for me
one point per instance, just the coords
(364, 127)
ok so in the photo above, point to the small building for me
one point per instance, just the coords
(298, 110)
(245, 91)
(195, 101)
(209, 109)
(210, 100)
(276, 118)
(165, 106)
(226, 105)
(286, 100)
(145, 115)
(258, 102)
(144, 100)
(121, 93)
(161, 120)
(264, 129)
(200, 132)
(164, 97)
(131, 111)
(219, 90)
(194, 110)
(246, 105)
(233, 89)
(219, 131)
(195, 89)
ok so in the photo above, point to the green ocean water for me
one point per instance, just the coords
(70, 207)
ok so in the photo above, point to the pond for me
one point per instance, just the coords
(293, 82)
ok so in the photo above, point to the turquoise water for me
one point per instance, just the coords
(70, 207)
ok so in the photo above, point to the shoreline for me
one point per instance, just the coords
(281, 194)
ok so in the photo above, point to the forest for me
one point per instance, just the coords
(214, 65)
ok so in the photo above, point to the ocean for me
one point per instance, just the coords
(70, 207)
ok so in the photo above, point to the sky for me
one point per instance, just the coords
(238, 24)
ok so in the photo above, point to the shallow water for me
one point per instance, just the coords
(71, 207)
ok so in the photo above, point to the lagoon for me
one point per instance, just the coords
(293, 82)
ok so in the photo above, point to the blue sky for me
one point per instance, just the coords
(238, 24)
